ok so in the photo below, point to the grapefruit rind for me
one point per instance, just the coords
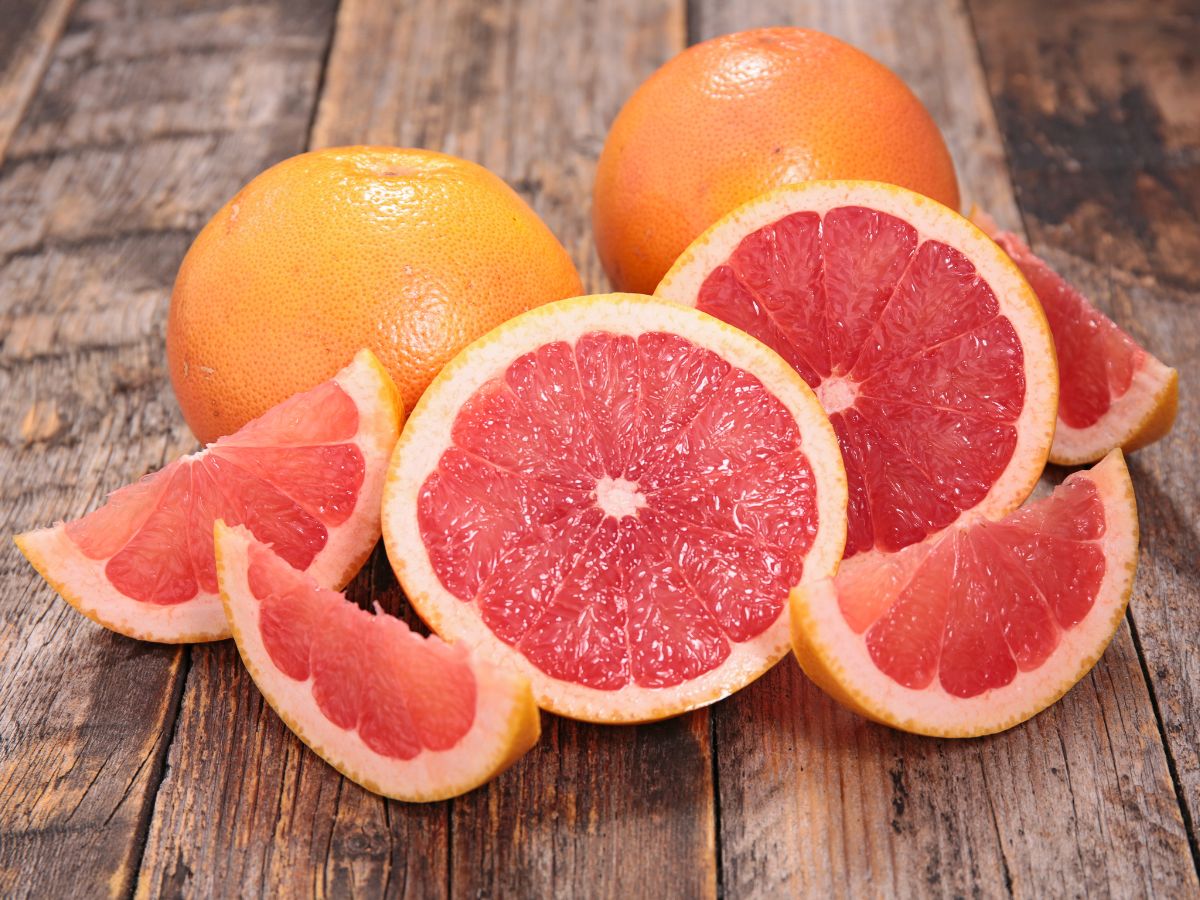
(428, 433)
(932, 221)
(507, 721)
(81, 581)
(837, 659)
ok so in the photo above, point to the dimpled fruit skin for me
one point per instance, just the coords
(736, 116)
(411, 253)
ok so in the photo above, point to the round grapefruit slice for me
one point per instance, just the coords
(921, 338)
(402, 715)
(984, 625)
(1114, 393)
(613, 496)
(305, 477)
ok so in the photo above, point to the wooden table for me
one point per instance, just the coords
(135, 768)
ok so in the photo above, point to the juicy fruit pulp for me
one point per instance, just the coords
(306, 478)
(985, 602)
(903, 341)
(289, 477)
(1000, 612)
(906, 343)
(615, 495)
(622, 510)
(406, 716)
(1114, 393)
(370, 673)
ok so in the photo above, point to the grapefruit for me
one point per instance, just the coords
(1114, 393)
(921, 338)
(738, 115)
(408, 252)
(306, 478)
(613, 496)
(404, 716)
(984, 625)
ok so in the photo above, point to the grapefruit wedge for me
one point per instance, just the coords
(402, 715)
(613, 496)
(1114, 393)
(305, 477)
(985, 625)
(921, 338)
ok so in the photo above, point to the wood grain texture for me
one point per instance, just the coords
(1100, 114)
(528, 90)
(815, 801)
(27, 37)
(146, 119)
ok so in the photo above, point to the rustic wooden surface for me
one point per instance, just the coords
(129, 768)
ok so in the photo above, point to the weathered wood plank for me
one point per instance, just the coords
(529, 90)
(816, 802)
(1100, 111)
(146, 118)
(31, 28)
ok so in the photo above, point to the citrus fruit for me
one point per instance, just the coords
(402, 715)
(923, 342)
(408, 252)
(738, 115)
(1114, 393)
(613, 496)
(984, 625)
(306, 478)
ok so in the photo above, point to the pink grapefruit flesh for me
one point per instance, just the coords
(984, 625)
(615, 496)
(922, 341)
(305, 478)
(1114, 393)
(405, 716)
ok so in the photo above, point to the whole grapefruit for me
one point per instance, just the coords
(736, 116)
(411, 253)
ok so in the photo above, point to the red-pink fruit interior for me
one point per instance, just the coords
(1096, 359)
(981, 603)
(904, 343)
(288, 476)
(401, 692)
(623, 509)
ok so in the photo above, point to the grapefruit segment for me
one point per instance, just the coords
(404, 716)
(983, 626)
(305, 477)
(613, 496)
(1114, 393)
(921, 339)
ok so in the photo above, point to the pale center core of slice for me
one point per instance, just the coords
(837, 394)
(618, 497)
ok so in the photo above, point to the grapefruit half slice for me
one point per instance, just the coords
(402, 715)
(613, 496)
(1114, 393)
(985, 625)
(921, 338)
(305, 477)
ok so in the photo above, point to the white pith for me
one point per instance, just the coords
(82, 582)
(505, 722)
(932, 221)
(427, 436)
(820, 630)
(618, 497)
